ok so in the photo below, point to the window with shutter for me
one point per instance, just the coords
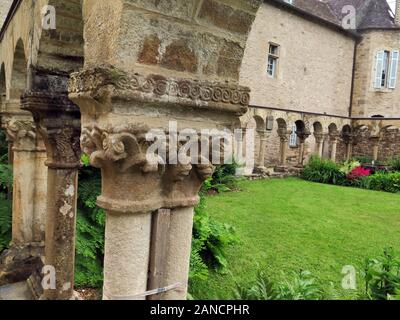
(379, 69)
(393, 69)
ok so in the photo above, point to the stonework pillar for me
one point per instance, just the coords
(319, 139)
(137, 183)
(178, 254)
(375, 147)
(284, 136)
(58, 120)
(349, 141)
(334, 140)
(302, 137)
(29, 196)
(263, 145)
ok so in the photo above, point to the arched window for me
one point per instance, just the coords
(293, 137)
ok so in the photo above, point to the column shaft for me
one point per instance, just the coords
(23, 196)
(178, 257)
(60, 231)
(127, 251)
(333, 151)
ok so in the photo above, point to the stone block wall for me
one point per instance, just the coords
(202, 39)
(314, 69)
(368, 101)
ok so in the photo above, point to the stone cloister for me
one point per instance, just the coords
(336, 138)
(105, 76)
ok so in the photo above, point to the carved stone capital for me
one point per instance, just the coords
(22, 133)
(284, 134)
(58, 121)
(303, 135)
(111, 83)
(320, 137)
(138, 181)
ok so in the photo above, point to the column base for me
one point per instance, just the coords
(19, 262)
(282, 169)
(260, 170)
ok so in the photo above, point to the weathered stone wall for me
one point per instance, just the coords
(315, 65)
(4, 8)
(200, 39)
(368, 101)
(389, 145)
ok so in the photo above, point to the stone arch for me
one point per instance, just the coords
(318, 127)
(332, 128)
(282, 124)
(61, 51)
(260, 123)
(19, 73)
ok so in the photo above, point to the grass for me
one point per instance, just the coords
(289, 225)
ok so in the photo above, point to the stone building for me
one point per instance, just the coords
(103, 73)
(322, 83)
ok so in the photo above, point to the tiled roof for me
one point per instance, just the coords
(369, 13)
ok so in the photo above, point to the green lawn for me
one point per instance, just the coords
(288, 224)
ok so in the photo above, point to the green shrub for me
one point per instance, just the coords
(394, 163)
(302, 286)
(6, 179)
(382, 276)
(90, 230)
(364, 159)
(211, 239)
(5, 222)
(323, 171)
(381, 181)
(224, 178)
(349, 166)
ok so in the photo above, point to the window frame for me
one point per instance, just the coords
(386, 69)
(274, 57)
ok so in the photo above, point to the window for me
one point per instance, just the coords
(289, 1)
(293, 137)
(386, 69)
(273, 57)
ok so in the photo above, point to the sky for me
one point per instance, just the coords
(392, 4)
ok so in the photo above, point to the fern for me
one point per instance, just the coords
(5, 204)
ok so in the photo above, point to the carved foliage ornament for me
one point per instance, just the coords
(127, 148)
(159, 86)
(21, 132)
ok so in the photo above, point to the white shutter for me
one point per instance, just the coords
(378, 69)
(394, 63)
(293, 137)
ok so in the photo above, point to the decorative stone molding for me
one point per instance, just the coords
(100, 82)
(22, 133)
(284, 134)
(320, 137)
(122, 152)
(58, 121)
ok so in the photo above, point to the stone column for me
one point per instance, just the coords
(375, 147)
(334, 140)
(263, 145)
(29, 172)
(302, 137)
(178, 254)
(348, 139)
(58, 120)
(137, 182)
(284, 136)
(319, 139)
